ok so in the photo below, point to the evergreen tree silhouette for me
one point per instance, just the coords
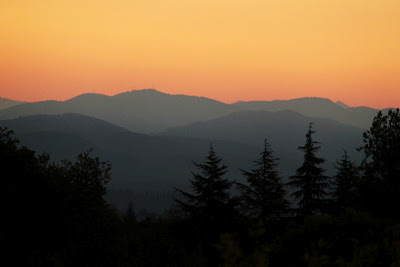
(68, 221)
(210, 200)
(381, 165)
(345, 182)
(129, 216)
(310, 181)
(382, 147)
(264, 196)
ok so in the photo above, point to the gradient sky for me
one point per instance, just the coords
(229, 50)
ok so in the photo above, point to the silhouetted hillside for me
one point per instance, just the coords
(150, 111)
(341, 104)
(144, 111)
(70, 123)
(285, 131)
(317, 107)
(6, 103)
(158, 163)
(142, 164)
(57, 214)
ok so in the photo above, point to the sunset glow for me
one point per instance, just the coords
(346, 50)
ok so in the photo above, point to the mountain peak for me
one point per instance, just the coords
(147, 91)
(142, 92)
(341, 104)
(87, 98)
(313, 99)
(7, 103)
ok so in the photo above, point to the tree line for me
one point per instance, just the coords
(263, 196)
(56, 215)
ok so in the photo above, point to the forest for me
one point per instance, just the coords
(55, 214)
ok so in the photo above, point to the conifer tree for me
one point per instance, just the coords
(382, 148)
(264, 196)
(130, 216)
(345, 182)
(209, 206)
(381, 165)
(310, 181)
(210, 199)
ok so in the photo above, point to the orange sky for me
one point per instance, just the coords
(228, 50)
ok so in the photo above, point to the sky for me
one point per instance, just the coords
(228, 50)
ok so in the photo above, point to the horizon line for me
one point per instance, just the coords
(181, 94)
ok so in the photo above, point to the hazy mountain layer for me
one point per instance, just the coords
(285, 130)
(317, 107)
(144, 111)
(146, 166)
(7, 103)
(150, 111)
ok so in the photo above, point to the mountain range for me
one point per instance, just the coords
(141, 164)
(7, 103)
(144, 111)
(148, 165)
(285, 130)
(152, 138)
(150, 111)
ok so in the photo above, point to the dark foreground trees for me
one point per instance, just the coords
(310, 182)
(264, 195)
(88, 222)
(210, 208)
(382, 147)
(345, 183)
(55, 214)
(381, 166)
(210, 201)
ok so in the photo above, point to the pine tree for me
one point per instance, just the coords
(310, 179)
(381, 165)
(345, 182)
(264, 196)
(382, 148)
(210, 207)
(130, 216)
(210, 200)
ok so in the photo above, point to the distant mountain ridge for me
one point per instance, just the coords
(341, 104)
(285, 130)
(7, 103)
(317, 107)
(150, 111)
(144, 111)
(141, 163)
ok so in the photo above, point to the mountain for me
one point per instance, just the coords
(285, 130)
(341, 104)
(317, 107)
(148, 167)
(150, 111)
(7, 103)
(143, 111)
